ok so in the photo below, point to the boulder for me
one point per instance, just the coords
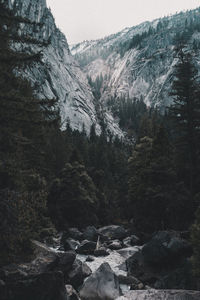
(135, 264)
(127, 242)
(158, 274)
(90, 234)
(79, 272)
(43, 286)
(166, 248)
(71, 293)
(128, 280)
(70, 244)
(89, 258)
(44, 263)
(174, 242)
(128, 252)
(137, 286)
(102, 284)
(113, 232)
(132, 240)
(66, 261)
(161, 295)
(115, 245)
(156, 253)
(101, 252)
(46, 259)
(123, 267)
(41, 279)
(179, 248)
(86, 247)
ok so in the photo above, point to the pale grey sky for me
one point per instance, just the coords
(92, 19)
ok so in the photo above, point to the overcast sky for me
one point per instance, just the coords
(92, 19)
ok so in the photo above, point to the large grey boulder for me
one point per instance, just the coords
(115, 245)
(86, 247)
(48, 260)
(155, 265)
(161, 295)
(101, 285)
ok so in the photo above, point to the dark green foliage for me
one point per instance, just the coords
(106, 163)
(156, 199)
(137, 39)
(185, 113)
(72, 199)
(135, 42)
(96, 86)
(23, 216)
(130, 112)
(135, 118)
(192, 24)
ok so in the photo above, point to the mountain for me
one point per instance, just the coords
(138, 62)
(57, 75)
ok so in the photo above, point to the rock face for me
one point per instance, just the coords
(101, 285)
(161, 295)
(57, 75)
(145, 68)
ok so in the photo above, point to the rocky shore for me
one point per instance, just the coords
(105, 263)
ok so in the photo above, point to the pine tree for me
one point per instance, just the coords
(24, 121)
(156, 198)
(185, 113)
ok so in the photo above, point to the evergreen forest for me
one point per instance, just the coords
(53, 179)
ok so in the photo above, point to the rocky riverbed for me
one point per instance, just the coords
(102, 264)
